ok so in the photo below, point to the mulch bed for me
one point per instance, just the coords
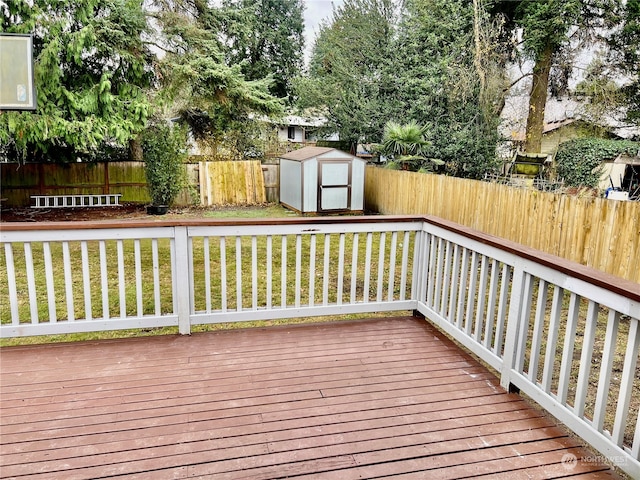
(27, 214)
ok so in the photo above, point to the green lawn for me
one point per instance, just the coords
(268, 211)
(110, 249)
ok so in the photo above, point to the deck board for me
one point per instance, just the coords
(344, 400)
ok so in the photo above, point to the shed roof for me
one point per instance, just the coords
(306, 153)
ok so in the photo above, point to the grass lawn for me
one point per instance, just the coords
(268, 211)
(93, 252)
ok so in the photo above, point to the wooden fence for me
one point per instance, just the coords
(231, 183)
(271, 173)
(209, 183)
(600, 233)
(20, 181)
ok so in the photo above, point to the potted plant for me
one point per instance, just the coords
(163, 147)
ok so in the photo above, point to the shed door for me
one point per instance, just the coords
(334, 185)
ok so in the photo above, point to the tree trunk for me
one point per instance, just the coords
(135, 150)
(477, 58)
(538, 101)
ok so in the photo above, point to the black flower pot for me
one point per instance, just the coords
(157, 209)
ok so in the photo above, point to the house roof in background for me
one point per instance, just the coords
(296, 120)
(548, 127)
(628, 159)
(558, 112)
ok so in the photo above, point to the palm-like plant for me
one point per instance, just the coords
(407, 146)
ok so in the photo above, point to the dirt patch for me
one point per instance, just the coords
(26, 214)
(134, 211)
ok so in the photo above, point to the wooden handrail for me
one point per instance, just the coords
(618, 285)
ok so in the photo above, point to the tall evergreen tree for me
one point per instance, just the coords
(265, 38)
(92, 70)
(214, 98)
(443, 81)
(347, 74)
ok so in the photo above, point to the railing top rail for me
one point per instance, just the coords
(615, 284)
(205, 222)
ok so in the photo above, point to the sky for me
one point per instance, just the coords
(315, 11)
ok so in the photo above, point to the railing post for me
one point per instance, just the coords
(182, 280)
(513, 326)
(422, 271)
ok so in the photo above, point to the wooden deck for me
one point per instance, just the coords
(360, 399)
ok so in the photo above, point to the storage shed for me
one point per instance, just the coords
(322, 180)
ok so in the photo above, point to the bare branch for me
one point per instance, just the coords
(516, 81)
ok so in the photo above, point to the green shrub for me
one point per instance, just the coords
(164, 150)
(579, 161)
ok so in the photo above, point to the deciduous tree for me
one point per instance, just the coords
(549, 29)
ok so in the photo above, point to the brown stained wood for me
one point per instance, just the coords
(456, 465)
(237, 386)
(344, 400)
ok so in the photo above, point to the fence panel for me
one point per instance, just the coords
(21, 181)
(230, 183)
(271, 172)
(600, 233)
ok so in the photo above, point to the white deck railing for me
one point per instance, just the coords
(566, 335)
